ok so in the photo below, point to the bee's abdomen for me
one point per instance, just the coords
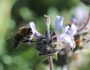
(16, 41)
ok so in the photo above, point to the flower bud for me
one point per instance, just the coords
(47, 19)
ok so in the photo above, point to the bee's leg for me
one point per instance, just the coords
(24, 41)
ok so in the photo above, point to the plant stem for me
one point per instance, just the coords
(48, 31)
(50, 58)
(50, 62)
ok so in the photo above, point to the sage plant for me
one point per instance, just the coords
(50, 43)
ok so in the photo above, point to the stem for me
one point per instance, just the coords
(50, 62)
(48, 31)
(50, 58)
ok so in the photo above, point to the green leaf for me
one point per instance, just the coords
(55, 56)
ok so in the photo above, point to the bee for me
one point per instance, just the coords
(22, 35)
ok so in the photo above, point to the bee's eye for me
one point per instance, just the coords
(29, 29)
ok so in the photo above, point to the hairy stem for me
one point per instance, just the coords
(50, 58)
(48, 31)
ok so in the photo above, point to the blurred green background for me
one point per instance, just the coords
(17, 13)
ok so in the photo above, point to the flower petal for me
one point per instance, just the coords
(67, 39)
(72, 31)
(32, 26)
(58, 23)
(65, 29)
(35, 32)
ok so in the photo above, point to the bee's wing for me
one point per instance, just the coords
(11, 35)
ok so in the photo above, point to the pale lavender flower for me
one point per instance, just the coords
(72, 30)
(66, 38)
(58, 23)
(35, 32)
(65, 29)
(38, 35)
(32, 26)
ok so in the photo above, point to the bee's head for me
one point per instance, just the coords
(29, 31)
(23, 30)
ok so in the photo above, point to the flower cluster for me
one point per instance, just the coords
(51, 43)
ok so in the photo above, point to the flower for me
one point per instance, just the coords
(72, 30)
(66, 38)
(32, 26)
(65, 29)
(35, 32)
(38, 35)
(58, 23)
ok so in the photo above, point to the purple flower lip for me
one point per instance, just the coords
(35, 32)
(58, 23)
